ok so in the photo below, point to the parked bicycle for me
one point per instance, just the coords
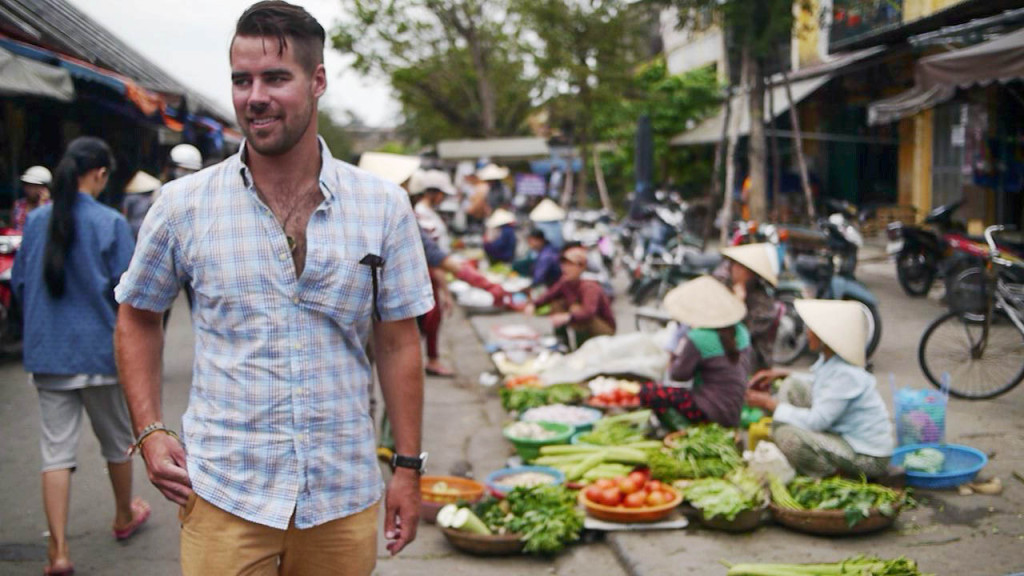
(980, 341)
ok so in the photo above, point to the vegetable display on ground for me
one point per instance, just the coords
(518, 399)
(546, 517)
(856, 566)
(627, 428)
(706, 451)
(727, 497)
(856, 499)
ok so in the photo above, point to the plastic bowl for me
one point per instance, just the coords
(625, 515)
(961, 466)
(529, 448)
(588, 424)
(495, 477)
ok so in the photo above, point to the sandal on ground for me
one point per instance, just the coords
(442, 373)
(66, 570)
(140, 513)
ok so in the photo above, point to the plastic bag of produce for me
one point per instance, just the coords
(767, 460)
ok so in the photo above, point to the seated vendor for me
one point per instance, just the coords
(749, 272)
(576, 303)
(837, 423)
(714, 352)
(546, 268)
(500, 239)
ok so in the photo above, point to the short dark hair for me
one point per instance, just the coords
(538, 234)
(285, 22)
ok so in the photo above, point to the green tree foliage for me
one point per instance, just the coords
(335, 134)
(457, 68)
(672, 103)
(586, 53)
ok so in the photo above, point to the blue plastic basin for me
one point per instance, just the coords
(961, 466)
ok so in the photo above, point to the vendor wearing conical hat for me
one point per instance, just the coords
(749, 271)
(500, 238)
(139, 196)
(577, 303)
(837, 422)
(714, 353)
(548, 218)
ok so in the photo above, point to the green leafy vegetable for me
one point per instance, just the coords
(856, 566)
(707, 451)
(726, 497)
(526, 397)
(927, 460)
(855, 499)
(546, 517)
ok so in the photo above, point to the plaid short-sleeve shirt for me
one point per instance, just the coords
(278, 420)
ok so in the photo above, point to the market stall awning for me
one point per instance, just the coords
(495, 148)
(23, 77)
(936, 78)
(710, 131)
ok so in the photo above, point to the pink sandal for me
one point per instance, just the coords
(68, 570)
(140, 513)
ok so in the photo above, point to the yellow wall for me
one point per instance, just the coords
(807, 30)
(921, 196)
(914, 9)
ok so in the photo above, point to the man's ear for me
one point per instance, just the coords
(319, 80)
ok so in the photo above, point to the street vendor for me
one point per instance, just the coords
(429, 189)
(714, 352)
(548, 217)
(749, 272)
(837, 422)
(577, 303)
(500, 240)
(546, 268)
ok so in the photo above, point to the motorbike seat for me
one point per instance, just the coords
(706, 261)
(808, 266)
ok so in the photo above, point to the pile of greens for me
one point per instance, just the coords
(525, 397)
(927, 460)
(855, 499)
(627, 428)
(856, 566)
(546, 517)
(738, 492)
(707, 451)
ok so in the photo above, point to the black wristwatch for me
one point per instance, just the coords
(417, 463)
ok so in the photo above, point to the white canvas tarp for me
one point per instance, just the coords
(23, 77)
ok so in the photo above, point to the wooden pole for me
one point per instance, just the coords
(602, 188)
(776, 160)
(799, 148)
(730, 166)
(716, 175)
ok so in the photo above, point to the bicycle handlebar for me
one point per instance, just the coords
(992, 248)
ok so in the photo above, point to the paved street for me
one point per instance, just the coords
(948, 534)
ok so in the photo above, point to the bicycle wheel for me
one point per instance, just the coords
(949, 345)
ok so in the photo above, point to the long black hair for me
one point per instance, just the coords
(728, 337)
(83, 154)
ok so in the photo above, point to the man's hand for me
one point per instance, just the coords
(402, 509)
(165, 464)
(499, 294)
(762, 381)
(560, 319)
(762, 400)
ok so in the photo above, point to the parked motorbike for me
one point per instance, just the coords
(938, 250)
(10, 319)
(830, 275)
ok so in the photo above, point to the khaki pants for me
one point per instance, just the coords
(218, 543)
(584, 330)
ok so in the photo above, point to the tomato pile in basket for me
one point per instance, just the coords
(634, 491)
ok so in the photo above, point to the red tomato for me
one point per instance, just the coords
(656, 498)
(611, 497)
(628, 485)
(635, 500)
(593, 493)
(639, 477)
(655, 485)
(605, 483)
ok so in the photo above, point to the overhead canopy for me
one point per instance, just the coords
(505, 148)
(936, 78)
(23, 77)
(710, 130)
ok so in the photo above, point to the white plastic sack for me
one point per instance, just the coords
(635, 353)
(767, 460)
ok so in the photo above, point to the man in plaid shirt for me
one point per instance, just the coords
(295, 260)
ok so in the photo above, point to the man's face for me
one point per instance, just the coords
(274, 97)
(535, 243)
(571, 271)
(36, 192)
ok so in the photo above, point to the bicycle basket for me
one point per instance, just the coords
(969, 292)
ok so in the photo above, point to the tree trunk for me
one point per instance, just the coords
(581, 189)
(570, 176)
(798, 146)
(602, 187)
(730, 166)
(776, 160)
(716, 174)
(758, 143)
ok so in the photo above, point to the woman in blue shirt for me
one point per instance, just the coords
(500, 240)
(838, 423)
(72, 254)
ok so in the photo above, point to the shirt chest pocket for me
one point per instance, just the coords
(343, 291)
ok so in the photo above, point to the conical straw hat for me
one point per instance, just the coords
(394, 168)
(500, 217)
(704, 303)
(547, 211)
(492, 172)
(141, 182)
(757, 257)
(841, 325)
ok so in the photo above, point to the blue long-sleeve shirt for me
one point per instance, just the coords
(502, 248)
(73, 334)
(547, 269)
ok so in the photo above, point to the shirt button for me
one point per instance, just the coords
(282, 257)
(297, 346)
(301, 391)
(296, 300)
